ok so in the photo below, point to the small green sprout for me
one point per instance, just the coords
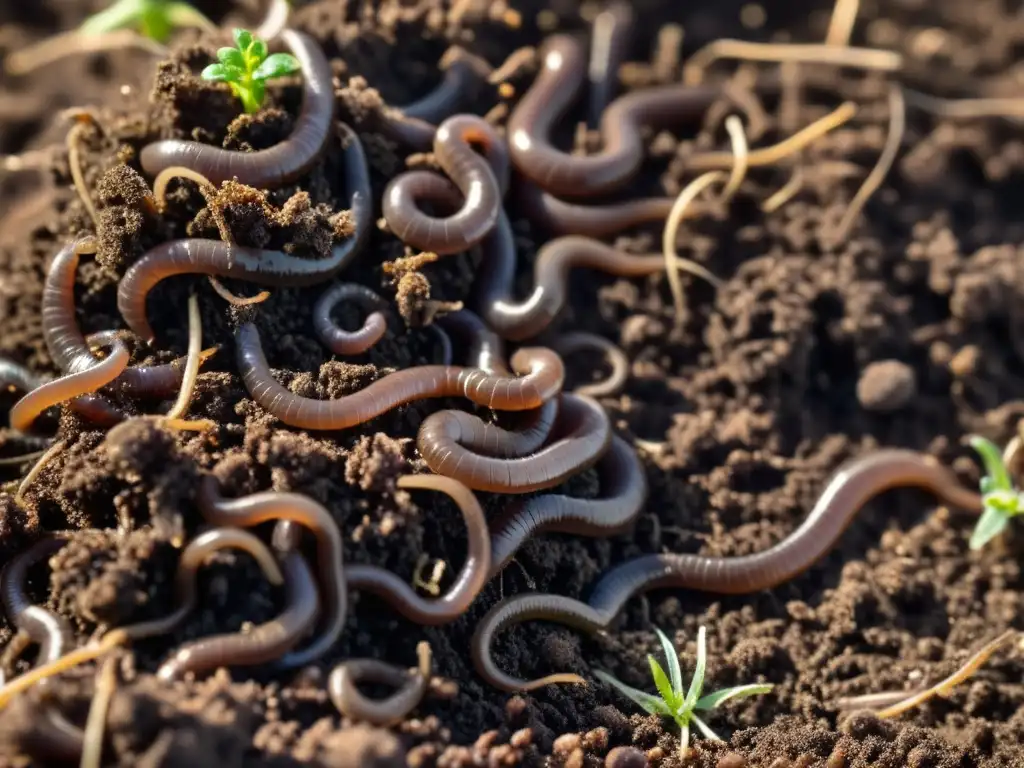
(682, 707)
(999, 496)
(155, 19)
(247, 67)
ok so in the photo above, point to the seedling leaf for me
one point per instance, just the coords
(231, 57)
(992, 522)
(708, 733)
(276, 65)
(662, 683)
(992, 458)
(645, 701)
(697, 683)
(672, 657)
(712, 700)
(242, 37)
(219, 73)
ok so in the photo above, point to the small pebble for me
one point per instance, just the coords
(731, 760)
(886, 386)
(626, 757)
(567, 742)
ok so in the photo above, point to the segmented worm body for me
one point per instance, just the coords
(556, 87)
(337, 339)
(576, 341)
(486, 349)
(411, 688)
(624, 491)
(14, 376)
(481, 189)
(220, 259)
(192, 558)
(470, 580)
(445, 439)
(265, 643)
(74, 385)
(270, 505)
(517, 320)
(852, 486)
(277, 165)
(541, 374)
(561, 217)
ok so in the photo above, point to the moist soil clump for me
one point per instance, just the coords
(816, 348)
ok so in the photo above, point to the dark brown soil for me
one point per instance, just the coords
(908, 333)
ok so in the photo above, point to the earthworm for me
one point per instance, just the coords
(65, 342)
(470, 579)
(277, 165)
(335, 338)
(14, 376)
(415, 124)
(471, 173)
(521, 320)
(564, 218)
(274, 20)
(541, 374)
(487, 352)
(275, 268)
(849, 489)
(531, 123)
(73, 385)
(271, 505)
(266, 642)
(624, 491)
(443, 438)
(577, 341)
(192, 559)
(411, 688)
(447, 355)
(609, 45)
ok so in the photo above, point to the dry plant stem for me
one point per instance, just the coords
(709, 161)
(95, 724)
(945, 686)
(964, 109)
(741, 157)
(806, 53)
(206, 187)
(68, 661)
(37, 468)
(13, 461)
(840, 27)
(74, 141)
(874, 700)
(74, 42)
(897, 125)
(668, 243)
(785, 193)
(195, 348)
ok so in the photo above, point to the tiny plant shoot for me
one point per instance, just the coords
(155, 19)
(999, 496)
(680, 705)
(247, 67)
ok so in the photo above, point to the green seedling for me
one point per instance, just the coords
(674, 702)
(247, 67)
(1000, 498)
(155, 19)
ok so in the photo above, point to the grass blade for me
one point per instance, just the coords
(672, 657)
(645, 701)
(697, 683)
(713, 700)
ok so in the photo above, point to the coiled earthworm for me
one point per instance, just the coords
(624, 491)
(271, 505)
(471, 577)
(521, 320)
(609, 44)
(65, 342)
(277, 165)
(582, 423)
(541, 374)
(486, 348)
(56, 736)
(335, 338)
(191, 560)
(531, 123)
(277, 268)
(28, 408)
(568, 343)
(472, 174)
(411, 688)
(849, 489)
(415, 124)
(14, 376)
(266, 642)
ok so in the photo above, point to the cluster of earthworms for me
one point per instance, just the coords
(561, 435)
